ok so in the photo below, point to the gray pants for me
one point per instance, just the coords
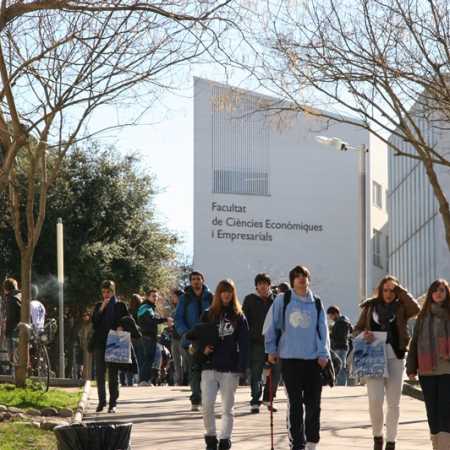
(226, 383)
(177, 355)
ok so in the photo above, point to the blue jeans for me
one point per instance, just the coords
(148, 355)
(341, 377)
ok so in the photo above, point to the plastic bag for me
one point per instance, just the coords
(118, 347)
(94, 436)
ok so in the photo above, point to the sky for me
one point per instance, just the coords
(165, 148)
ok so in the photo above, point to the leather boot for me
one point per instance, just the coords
(390, 446)
(211, 442)
(224, 444)
(378, 443)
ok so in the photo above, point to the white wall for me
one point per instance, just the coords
(310, 184)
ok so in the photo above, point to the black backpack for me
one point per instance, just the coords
(328, 374)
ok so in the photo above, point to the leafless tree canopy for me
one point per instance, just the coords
(385, 63)
(62, 60)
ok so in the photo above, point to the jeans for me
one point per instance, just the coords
(195, 374)
(257, 360)
(148, 356)
(436, 393)
(341, 378)
(304, 391)
(177, 356)
(113, 378)
(227, 383)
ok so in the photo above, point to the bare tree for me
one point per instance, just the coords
(61, 62)
(384, 64)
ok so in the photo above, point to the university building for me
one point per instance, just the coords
(269, 196)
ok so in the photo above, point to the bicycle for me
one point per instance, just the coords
(39, 365)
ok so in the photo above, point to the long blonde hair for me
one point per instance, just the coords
(216, 309)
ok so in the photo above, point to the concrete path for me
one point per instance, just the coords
(162, 421)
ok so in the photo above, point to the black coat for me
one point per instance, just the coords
(102, 325)
(13, 306)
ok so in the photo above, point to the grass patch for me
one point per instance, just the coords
(20, 436)
(32, 397)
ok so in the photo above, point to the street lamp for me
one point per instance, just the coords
(340, 145)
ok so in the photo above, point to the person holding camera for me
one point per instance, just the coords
(388, 312)
(221, 350)
(296, 333)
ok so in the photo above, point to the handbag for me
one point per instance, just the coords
(118, 347)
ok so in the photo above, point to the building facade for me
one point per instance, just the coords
(268, 196)
(418, 252)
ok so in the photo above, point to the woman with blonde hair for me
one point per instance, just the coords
(388, 312)
(222, 351)
(429, 357)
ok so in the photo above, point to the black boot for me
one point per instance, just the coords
(378, 443)
(390, 446)
(211, 442)
(224, 444)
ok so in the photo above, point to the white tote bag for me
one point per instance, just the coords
(370, 360)
(118, 347)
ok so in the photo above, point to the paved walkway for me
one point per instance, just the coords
(162, 421)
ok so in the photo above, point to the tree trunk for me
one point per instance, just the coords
(444, 208)
(26, 257)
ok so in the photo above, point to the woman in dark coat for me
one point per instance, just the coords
(107, 316)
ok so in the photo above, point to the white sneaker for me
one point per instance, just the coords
(195, 407)
(143, 383)
(311, 446)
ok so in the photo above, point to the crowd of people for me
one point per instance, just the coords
(278, 334)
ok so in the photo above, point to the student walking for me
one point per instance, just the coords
(296, 332)
(256, 307)
(196, 299)
(340, 341)
(429, 357)
(107, 316)
(223, 362)
(388, 312)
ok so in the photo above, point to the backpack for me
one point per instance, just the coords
(328, 373)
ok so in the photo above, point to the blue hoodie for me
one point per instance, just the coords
(299, 339)
(189, 310)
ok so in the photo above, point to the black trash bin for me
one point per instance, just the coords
(94, 436)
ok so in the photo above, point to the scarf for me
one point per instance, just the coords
(434, 338)
(386, 313)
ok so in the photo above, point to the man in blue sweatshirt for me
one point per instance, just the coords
(299, 338)
(192, 304)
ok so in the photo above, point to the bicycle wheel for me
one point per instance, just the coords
(43, 365)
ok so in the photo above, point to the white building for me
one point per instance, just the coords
(268, 196)
(418, 252)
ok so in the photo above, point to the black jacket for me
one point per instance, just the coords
(13, 306)
(340, 333)
(231, 350)
(148, 319)
(102, 325)
(255, 310)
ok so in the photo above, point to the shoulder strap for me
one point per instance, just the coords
(286, 300)
(318, 303)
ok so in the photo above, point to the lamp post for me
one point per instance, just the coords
(363, 150)
(60, 262)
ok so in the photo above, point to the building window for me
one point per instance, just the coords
(377, 235)
(377, 195)
(240, 145)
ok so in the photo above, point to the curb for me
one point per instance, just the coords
(412, 391)
(82, 404)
